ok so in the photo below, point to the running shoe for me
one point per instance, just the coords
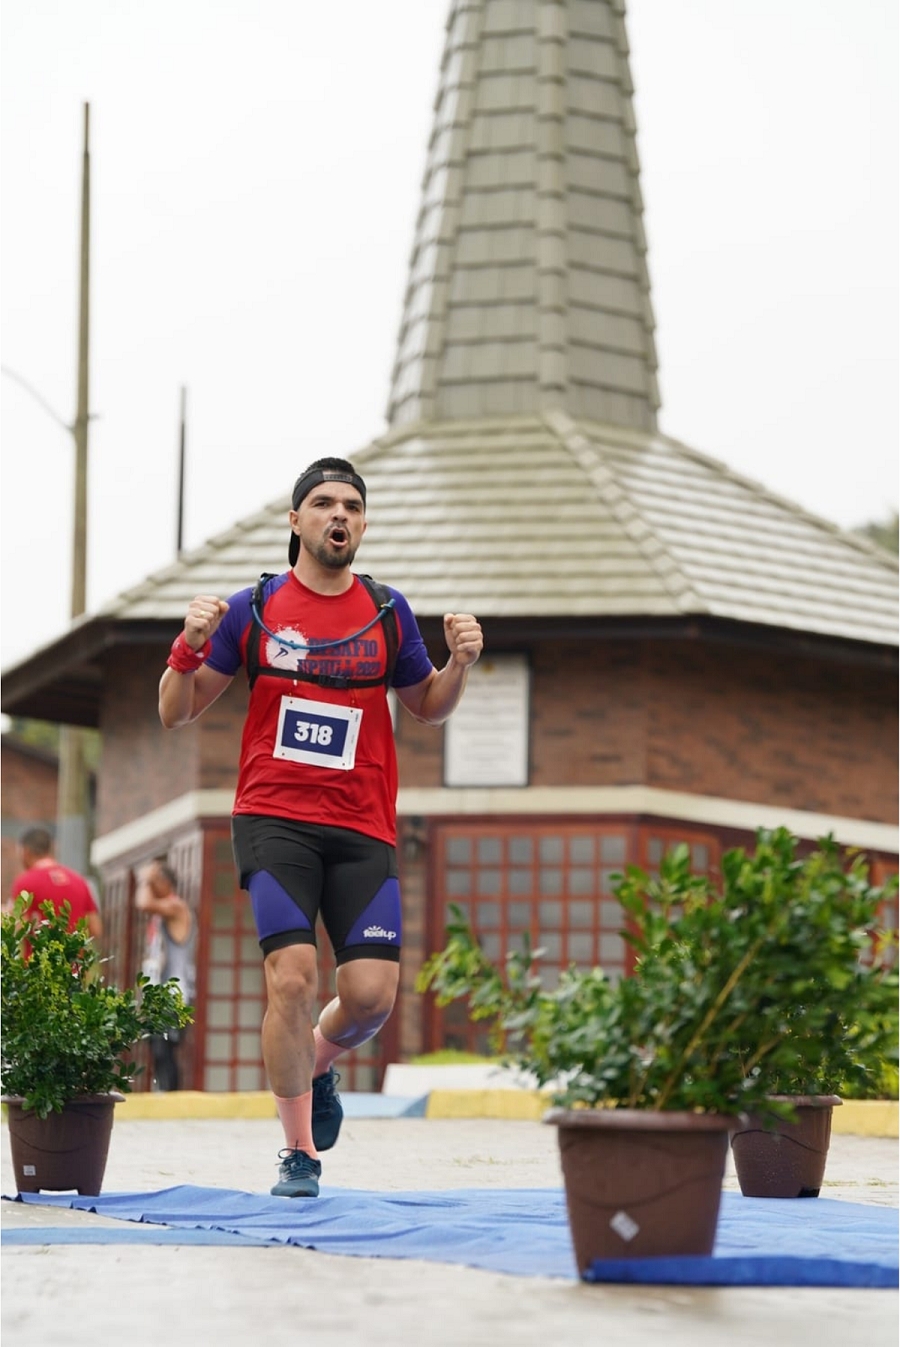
(327, 1113)
(298, 1175)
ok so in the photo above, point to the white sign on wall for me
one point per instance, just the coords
(486, 738)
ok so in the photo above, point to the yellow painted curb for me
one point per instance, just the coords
(867, 1118)
(196, 1104)
(517, 1105)
(855, 1117)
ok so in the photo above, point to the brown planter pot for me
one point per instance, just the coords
(779, 1159)
(64, 1150)
(641, 1184)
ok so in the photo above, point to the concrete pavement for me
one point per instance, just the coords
(71, 1294)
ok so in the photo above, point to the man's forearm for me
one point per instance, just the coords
(443, 693)
(176, 699)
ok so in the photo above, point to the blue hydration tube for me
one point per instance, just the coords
(319, 645)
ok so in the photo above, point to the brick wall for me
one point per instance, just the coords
(707, 719)
(220, 737)
(27, 797)
(796, 732)
(143, 765)
(589, 720)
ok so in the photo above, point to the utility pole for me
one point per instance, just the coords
(179, 537)
(72, 803)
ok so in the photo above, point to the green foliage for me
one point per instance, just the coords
(884, 532)
(64, 1032)
(37, 733)
(771, 986)
(840, 1021)
(44, 734)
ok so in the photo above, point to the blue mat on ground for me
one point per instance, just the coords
(134, 1234)
(523, 1231)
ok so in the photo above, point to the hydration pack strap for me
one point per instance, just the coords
(384, 606)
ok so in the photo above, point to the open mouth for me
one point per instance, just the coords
(338, 536)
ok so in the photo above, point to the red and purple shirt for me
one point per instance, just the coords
(319, 754)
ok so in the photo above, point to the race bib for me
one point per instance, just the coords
(318, 733)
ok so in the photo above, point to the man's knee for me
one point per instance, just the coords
(291, 975)
(374, 1007)
(368, 990)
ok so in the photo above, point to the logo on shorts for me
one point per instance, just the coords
(379, 933)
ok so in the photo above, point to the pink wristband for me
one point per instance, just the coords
(183, 659)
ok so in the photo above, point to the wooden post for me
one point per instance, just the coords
(72, 800)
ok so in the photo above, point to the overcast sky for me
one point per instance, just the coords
(256, 173)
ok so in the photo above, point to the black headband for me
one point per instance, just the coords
(316, 476)
(312, 478)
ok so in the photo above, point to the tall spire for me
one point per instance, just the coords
(528, 287)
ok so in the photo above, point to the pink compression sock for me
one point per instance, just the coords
(326, 1053)
(296, 1119)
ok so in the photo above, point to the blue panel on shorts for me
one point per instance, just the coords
(379, 924)
(273, 907)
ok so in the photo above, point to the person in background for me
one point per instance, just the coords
(169, 954)
(49, 881)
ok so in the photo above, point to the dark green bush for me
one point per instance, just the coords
(773, 985)
(64, 1032)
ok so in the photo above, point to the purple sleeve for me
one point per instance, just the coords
(413, 662)
(227, 656)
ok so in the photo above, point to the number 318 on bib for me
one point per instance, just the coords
(307, 732)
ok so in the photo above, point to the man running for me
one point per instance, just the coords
(314, 826)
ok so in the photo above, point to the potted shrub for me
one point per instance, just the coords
(841, 1032)
(645, 1072)
(65, 1036)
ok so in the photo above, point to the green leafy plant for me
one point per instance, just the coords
(774, 982)
(840, 1030)
(64, 1032)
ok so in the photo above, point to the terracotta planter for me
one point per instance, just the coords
(778, 1159)
(641, 1184)
(64, 1150)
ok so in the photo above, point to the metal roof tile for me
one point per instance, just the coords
(549, 517)
(585, 16)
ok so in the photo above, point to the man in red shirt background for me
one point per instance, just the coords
(48, 880)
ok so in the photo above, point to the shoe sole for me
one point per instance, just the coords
(292, 1190)
(325, 1140)
(325, 1130)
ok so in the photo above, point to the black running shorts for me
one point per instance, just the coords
(296, 872)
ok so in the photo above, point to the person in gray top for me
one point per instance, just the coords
(169, 953)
